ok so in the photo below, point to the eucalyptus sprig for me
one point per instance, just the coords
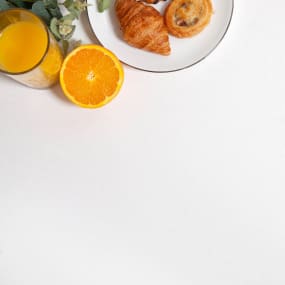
(61, 26)
(103, 5)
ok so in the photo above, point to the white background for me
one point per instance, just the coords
(179, 180)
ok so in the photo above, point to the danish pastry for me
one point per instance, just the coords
(152, 1)
(186, 18)
(142, 26)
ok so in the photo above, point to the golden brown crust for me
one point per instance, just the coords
(142, 26)
(152, 1)
(186, 18)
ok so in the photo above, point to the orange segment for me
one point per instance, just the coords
(91, 76)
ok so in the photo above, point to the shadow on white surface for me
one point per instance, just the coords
(87, 28)
(57, 91)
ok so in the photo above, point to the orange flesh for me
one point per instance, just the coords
(90, 76)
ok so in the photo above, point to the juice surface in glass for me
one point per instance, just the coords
(28, 52)
(17, 53)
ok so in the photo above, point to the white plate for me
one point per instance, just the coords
(184, 52)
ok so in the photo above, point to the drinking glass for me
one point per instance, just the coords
(28, 51)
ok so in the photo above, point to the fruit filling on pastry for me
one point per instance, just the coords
(187, 14)
(186, 18)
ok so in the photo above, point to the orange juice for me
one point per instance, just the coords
(18, 50)
(28, 51)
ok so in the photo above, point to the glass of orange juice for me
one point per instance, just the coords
(28, 51)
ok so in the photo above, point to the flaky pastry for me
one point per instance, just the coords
(142, 26)
(152, 1)
(186, 18)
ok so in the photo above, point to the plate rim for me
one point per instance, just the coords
(172, 70)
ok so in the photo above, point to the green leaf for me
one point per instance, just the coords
(55, 12)
(74, 12)
(19, 3)
(54, 23)
(65, 46)
(39, 9)
(4, 5)
(68, 18)
(75, 7)
(103, 5)
(70, 6)
(80, 5)
(66, 31)
(28, 4)
(50, 3)
(67, 3)
(69, 36)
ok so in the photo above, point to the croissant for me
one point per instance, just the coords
(186, 18)
(142, 26)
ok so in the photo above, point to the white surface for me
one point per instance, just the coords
(184, 52)
(179, 180)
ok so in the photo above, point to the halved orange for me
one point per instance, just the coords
(91, 76)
